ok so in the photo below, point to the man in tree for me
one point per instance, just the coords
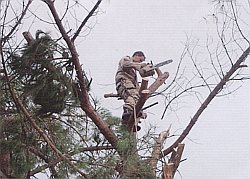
(127, 85)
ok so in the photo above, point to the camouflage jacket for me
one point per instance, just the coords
(127, 72)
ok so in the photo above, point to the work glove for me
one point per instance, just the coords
(147, 70)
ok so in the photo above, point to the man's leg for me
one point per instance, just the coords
(129, 106)
(130, 99)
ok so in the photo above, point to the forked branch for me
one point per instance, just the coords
(81, 87)
(144, 96)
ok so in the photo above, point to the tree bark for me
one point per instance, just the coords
(176, 157)
(82, 90)
(3, 176)
(144, 96)
(168, 171)
(157, 149)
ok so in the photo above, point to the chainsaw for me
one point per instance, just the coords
(148, 70)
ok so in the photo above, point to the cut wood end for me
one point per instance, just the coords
(145, 79)
(170, 164)
(146, 91)
(165, 74)
(181, 145)
(163, 135)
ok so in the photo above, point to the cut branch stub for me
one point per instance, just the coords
(28, 37)
(144, 96)
(144, 85)
(157, 147)
(158, 82)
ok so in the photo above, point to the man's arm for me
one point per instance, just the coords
(126, 63)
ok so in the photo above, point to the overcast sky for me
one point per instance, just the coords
(218, 146)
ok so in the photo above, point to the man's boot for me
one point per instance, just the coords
(125, 117)
(142, 115)
(137, 128)
(126, 114)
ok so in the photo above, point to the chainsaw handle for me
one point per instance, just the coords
(146, 71)
(143, 65)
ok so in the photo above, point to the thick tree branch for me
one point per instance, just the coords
(157, 148)
(2, 175)
(132, 120)
(210, 97)
(176, 157)
(30, 118)
(168, 171)
(144, 96)
(159, 81)
(42, 133)
(82, 89)
(144, 85)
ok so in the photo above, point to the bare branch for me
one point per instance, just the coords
(210, 97)
(18, 22)
(237, 24)
(86, 20)
(82, 88)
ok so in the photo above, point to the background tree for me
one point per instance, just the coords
(50, 121)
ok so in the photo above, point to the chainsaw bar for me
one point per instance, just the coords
(163, 63)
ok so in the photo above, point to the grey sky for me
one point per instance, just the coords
(218, 144)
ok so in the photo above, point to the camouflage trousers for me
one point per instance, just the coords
(129, 93)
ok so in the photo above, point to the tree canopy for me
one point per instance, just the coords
(51, 123)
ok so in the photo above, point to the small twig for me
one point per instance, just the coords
(149, 106)
(86, 20)
(207, 101)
